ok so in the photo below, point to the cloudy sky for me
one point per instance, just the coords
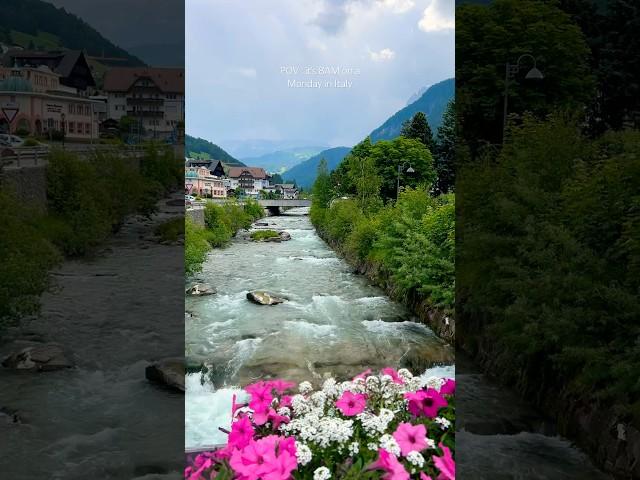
(240, 56)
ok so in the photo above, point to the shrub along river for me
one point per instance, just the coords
(335, 322)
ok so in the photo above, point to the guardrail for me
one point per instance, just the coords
(19, 157)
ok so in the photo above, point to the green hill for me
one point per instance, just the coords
(432, 103)
(283, 160)
(201, 148)
(305, 173)
(34, 24)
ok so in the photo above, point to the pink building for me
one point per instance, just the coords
(199, 181)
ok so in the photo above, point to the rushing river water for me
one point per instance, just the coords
(335, 322)
(113, 313)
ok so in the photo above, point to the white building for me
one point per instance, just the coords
(252, 180)
(152, 96)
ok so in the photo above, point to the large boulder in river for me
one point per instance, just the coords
(42, 357)
(264, 298)
(201, 290)
(168, 372)
(284, 236)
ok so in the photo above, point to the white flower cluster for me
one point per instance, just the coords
(303, 453)
(305, 387)
(321, 473)
(375, 424)
(432, 382)
(415, 458)
(443, 422)
(317, 428)
(389, 444)
(354, 448)
(285, 411)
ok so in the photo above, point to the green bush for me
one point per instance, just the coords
(218, 224)
(196, 246)
(26, 256)
(253, 209)
(264, 234)
(170, 230)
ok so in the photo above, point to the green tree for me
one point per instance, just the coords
(391, 155)
(418, 128)
(445, 151)
(362, 174)
(322, 191)
(516, 27)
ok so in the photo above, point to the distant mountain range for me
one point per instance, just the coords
(160, 55)
(282, 160)
(305, 173)
(432, 103)
(200, 148)
(250, 148)
(38, 25)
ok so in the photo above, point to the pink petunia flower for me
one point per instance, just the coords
(260, 395)
(425, 402)
(411, 437)
(254, 460)
(424, 476)
(279, 385)
(388, 462)
(351, 404)
(363, 375)
(445, 464)
(449, 387)
(241, 433)
(393, 374)
(261, 414)
(285, 401)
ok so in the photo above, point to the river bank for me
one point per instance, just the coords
(436, 319)
(114, 313)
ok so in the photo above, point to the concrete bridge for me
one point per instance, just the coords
(273, 206)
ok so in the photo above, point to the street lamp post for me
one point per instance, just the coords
(400, 170)
(509, 73)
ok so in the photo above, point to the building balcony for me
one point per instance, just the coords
(145, 113)
(144, 101)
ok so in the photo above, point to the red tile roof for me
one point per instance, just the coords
(120, 79)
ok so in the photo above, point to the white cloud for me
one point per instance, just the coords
(438, 16)
(245, 72)
(384, 55)
(398, 6)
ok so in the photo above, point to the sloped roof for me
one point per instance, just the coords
(120, 79)
(61, 62)
(256, 172)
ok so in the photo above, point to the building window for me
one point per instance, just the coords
(87, 110)
(72, 127)
(70, 108)
(87, 129)
(171, 96)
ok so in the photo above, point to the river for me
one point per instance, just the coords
(336, 322)
(115, 312)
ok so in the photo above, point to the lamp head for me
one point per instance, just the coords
(410, 170)
(534, 74)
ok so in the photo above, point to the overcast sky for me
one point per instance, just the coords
(236, 52)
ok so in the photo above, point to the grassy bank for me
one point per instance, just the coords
(87, 201)
(222, 222)
(406, 247)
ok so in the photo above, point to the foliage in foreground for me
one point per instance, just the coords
(387, 426)
(550, 264)
(222, 222)
(88, 200)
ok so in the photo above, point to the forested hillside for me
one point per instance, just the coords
(201, 148)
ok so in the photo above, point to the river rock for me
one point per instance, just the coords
(264, 298)
(272, 239)
(261, 224)
(8, 415)
(168, 372)
(43, 357)
(284, 236)
(201, 290)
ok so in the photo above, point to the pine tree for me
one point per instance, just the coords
(445, 151)
(418, 128)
